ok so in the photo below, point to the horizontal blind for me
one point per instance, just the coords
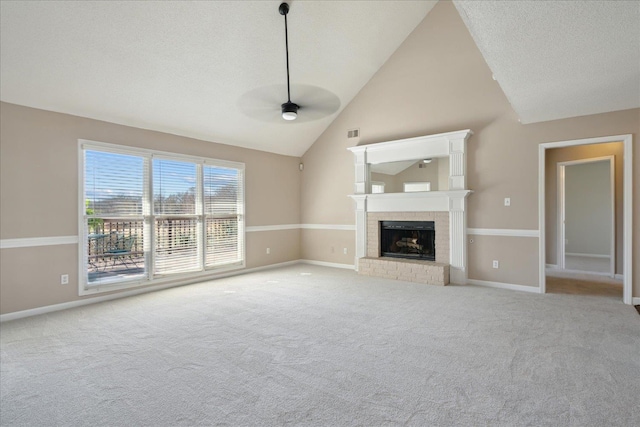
(223, 208)
(175, 200)
(114, 199)
(113, 184)
(176, 245)
(223, 244)
(174, 187)
(222, 190)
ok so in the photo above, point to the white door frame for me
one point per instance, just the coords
(627, 251)
(562, 209)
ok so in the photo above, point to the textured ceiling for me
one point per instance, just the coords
(559, 59)
(185, 67)
(182, 67)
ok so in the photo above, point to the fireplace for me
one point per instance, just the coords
(408, 239)
(447, 208)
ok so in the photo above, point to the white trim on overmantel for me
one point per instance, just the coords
(627, 247)
(452, 145)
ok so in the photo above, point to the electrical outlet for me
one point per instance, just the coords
(345, 251)
(496, 264)
(507, 201)
(268, 251)
(64, 279)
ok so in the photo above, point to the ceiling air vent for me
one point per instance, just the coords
(353, 133)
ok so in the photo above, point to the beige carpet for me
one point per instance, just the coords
(315, 346)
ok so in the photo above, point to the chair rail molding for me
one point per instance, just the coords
(451, 144)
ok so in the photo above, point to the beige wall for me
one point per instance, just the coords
(389, 181)
(39, 188)
(589, 208)
(581, 152)
(328, 246)
(437, 81)
(416, 174)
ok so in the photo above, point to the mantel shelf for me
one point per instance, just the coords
(414, 194)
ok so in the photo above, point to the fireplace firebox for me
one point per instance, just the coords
(408, 239)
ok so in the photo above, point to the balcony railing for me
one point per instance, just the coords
(115, 248)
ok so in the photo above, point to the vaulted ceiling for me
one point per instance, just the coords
(192, 68)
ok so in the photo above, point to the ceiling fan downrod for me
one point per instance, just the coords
(289, 109)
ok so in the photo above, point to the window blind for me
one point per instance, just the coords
(175, 201)
(114, 184)
(223, 210)
(114, 199)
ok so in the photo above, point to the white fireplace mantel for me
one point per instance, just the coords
(453, 145)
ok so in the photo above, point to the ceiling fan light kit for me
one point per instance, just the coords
(289, 110)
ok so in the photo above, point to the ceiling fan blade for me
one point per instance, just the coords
(264, 103)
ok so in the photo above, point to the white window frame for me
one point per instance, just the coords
(418, 186)
(377, 184)
(84, 288)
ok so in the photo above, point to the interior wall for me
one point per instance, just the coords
(39, 187)
(416, 174)
(389, 181)
(588, 208)
(437, 81)
(582, 152)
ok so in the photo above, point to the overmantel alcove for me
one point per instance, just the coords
(453, 201)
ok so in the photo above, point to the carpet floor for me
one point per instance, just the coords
(315, 346)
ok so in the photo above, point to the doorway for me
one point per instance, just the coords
(625, 248)
(586, 215)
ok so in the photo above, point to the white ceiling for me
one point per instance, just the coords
(559, 59)
(183, 67)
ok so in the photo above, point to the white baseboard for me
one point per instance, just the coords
(635, 301)
(328, 264)
(587, 255)
(501, 285)
(93, 300)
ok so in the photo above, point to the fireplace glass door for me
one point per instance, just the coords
(408, 239)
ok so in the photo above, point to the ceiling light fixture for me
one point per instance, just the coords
(427, 160)
(289, 109)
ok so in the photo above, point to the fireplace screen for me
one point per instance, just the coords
(408, 239)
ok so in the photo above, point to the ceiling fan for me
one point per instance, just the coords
(313, 102)
(289, 109)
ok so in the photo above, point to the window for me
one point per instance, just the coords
(150, 216)
(377, 187)
(410, 187)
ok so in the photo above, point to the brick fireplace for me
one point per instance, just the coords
(411, 270)
(447, 209)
